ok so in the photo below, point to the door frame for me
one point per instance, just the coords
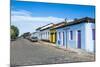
(79, 40)
(63, 38)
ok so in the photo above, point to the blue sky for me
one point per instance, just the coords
(28, 16)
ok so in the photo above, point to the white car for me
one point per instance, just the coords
(34, 39)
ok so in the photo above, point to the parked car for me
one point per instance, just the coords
(33, 39)
(26, 35)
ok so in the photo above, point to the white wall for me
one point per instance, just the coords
(86, 36)
(89, 41)
(44, 34)
(73, 43)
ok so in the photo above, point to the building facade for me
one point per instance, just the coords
(43, 33)
(77, 34)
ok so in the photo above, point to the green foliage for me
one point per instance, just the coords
(14, 32)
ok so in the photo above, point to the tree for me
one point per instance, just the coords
(14, 32)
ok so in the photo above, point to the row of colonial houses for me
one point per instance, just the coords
(79, 33)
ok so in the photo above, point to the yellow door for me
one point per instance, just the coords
(53, 36)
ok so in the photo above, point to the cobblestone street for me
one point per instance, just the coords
(25, 52)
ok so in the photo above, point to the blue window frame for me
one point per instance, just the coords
(93, 34)
(71, 35)
(59, 35)
(48, 33)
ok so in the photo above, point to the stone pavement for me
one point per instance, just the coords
(24, 52)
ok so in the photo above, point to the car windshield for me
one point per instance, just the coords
(34, 37)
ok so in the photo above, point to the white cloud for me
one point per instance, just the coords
(28, 23)
(25, 16)
(21, 13)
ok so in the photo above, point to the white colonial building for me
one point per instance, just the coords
(44, 32)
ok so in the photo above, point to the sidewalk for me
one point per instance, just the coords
(78, 51)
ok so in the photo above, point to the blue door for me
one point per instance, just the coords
(63, 39)
(79, 39)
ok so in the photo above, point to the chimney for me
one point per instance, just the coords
(75, 20)
(65, 19)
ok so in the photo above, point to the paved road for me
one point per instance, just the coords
(24, 52)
